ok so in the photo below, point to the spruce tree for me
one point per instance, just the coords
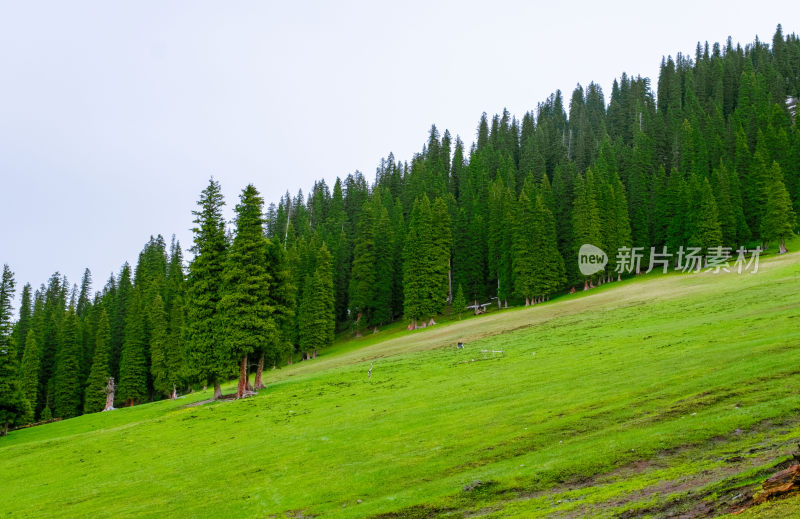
(779, 218)
(459, 301)
(132, 387)
(524, 254)
(204, 349)
(176, 318)
(585, 218)
(163, 377)
(247, 315)
(363, 274)
(282, 300)
(23, 324)
(95, 399)
(67, 396)
(707, 232)
(29, 369)
(118, 320)
(384, 264)
(417, 268)
(550, 274)
(14, 406)
(441, 249)
(316, 313)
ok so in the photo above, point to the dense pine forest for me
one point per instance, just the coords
(709, 158)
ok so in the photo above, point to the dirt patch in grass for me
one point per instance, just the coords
(414, 512)
(725, 488)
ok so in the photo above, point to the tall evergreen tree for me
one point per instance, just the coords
(441, 251)
(29, 369)
(525, 257)
(164, 378)
(23, 324)
(95, 399)
(133, 370)
(14, 407)
(364, 275)
(245, 307)
(779, 217)
(67, 397)
(282, 300)
(205, 354)
(417, 270)
(707, 232)
(316, 317)
(122, 298)
(550, 272)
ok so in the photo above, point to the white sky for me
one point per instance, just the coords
(113, 115)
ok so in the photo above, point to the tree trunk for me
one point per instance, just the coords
(585, 285)
(110, 392)
(449, 282)
(4, 430)
(174, 395)
(217, 390)
(783, 247)
(258, 384)
(242, 378)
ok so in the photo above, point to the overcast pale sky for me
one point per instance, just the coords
(113, 115)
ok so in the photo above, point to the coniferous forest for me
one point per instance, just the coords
(707, 157)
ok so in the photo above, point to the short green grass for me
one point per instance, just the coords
(633, 396)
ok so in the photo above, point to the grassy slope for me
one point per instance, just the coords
(651, 387)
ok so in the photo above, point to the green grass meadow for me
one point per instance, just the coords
(654, 396)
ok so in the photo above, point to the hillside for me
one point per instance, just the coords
(654, 395)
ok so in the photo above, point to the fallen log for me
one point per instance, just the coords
(781, 484)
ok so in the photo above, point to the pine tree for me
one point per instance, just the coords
(363, 275)
(282, 299)
(585, 218)
(316, 313)
(550, 275)
(441, 248)
(29, 369)
(95, 399)
(132, 386)
(176, 318)
(384, 264)
(459, 302)
(14, 407)
(499, 239)
(707, 232)
(417, 269)
(204, 353)
(524, 254)
(163, 377)
(67, 397)
(23, 324)
(779, 218)
(118, 320)
(245, 306)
